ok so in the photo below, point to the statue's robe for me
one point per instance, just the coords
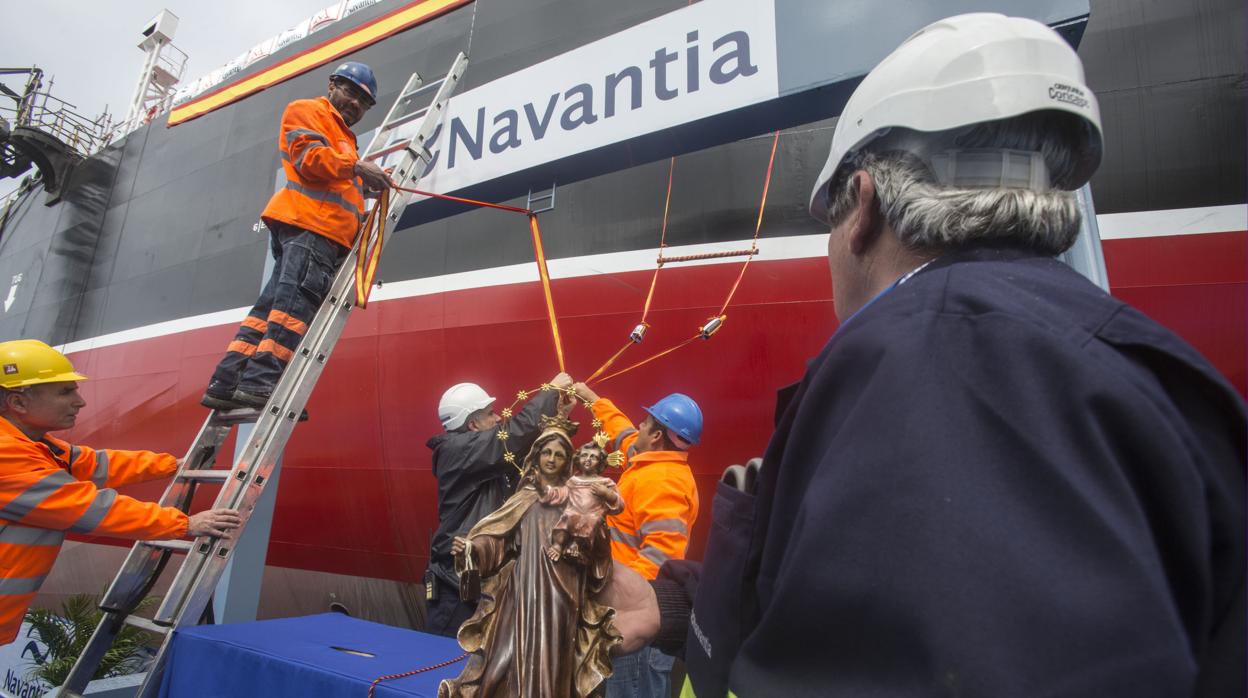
(538, 631)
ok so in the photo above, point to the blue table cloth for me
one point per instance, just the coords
(305, 657)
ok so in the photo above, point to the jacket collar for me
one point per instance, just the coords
(55, 445)
(10, 429)
(1002, 251)
(643, 459)
(336, 116)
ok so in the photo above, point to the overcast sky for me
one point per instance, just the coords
(90, 46)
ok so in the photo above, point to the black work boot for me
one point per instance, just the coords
(246, 399)
(220, 403)
(250, 399)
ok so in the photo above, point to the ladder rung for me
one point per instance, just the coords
(146, 624)
(406, 119)
(548, 197)
(423, 88)
(708, 255)
(392, 148)
(205, 475)
(177, 546)
(239, 416)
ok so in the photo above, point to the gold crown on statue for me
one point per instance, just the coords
(561, 423)
(600, 440)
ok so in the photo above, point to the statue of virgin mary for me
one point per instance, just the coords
(539, 631)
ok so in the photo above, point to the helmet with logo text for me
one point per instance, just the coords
(967, 70)
(26, 362)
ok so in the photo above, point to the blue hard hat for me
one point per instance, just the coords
(360, 74)
(680, 414)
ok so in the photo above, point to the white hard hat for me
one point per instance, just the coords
(459, 401)
(961, 71)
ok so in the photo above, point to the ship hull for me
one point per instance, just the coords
(150, 259)
(356, 500)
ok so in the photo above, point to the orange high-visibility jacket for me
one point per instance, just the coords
(322, 193)
(49, 488)
(660, 499)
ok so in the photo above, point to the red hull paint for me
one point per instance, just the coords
(1197, 285)
(356, 492)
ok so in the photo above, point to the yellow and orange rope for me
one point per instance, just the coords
(374, 231)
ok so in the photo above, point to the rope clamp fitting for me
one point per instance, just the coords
(638, 333)
(712, 326)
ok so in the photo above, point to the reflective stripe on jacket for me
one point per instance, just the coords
(318, 156)
(49, 488)
(686, 691)
(660, 499)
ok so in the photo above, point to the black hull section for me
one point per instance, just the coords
(161, 226)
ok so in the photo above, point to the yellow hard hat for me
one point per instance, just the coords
(30, 362)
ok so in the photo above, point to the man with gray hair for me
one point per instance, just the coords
(995, 479)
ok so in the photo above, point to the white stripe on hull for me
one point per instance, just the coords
(1175, 221)
(1113, 226)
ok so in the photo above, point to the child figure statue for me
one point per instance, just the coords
(586, 499)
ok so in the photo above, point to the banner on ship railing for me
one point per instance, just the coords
(189, 104)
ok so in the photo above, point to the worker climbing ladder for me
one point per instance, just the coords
(205, 558)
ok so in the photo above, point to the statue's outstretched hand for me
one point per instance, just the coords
(636, 608)
(458, 546)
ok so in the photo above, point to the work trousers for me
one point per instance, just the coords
(646, 673)
(304, 268)
(445, 612)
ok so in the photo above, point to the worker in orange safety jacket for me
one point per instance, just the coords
(312, 220)
(49, 487)
(660, 507)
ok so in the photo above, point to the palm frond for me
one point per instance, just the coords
(66, 635)
(52, 630)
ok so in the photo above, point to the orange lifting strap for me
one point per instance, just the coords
(640, 331)
(366, 268)
(714, 323)
(371, 236)
(374, 231)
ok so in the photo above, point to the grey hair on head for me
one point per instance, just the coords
(929, 215)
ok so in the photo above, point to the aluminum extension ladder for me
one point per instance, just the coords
(206, 557)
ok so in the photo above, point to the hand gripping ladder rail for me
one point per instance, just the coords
(206, 557)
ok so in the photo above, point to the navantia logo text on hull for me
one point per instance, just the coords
(582, 105)
(706, 59)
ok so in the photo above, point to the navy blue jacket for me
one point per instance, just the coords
(995, 480)
(474, 479)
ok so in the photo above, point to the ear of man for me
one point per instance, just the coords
(662, 440)
(13, 401)
(866, 222)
